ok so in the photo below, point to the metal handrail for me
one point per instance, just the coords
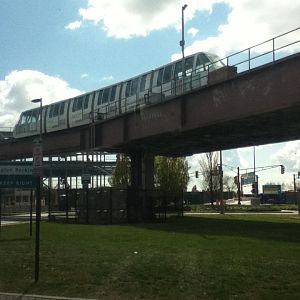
(195, 77)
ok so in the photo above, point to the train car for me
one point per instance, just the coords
(161, 84)
(80, 108)
(106, 102)
(29, 123)
(56, 116)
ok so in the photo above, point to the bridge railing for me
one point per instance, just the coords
(260, 54)
(265, 52)
(6, 133)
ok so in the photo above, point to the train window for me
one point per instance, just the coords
(188, 65)
(159, 76)
(134, 85)
(28, 118)
(178, 69)
(167, 74)
(99, 97)
(86, 102)
(51, 111)
(201, 61)
(74, 105)
(113, 93)
(62, 108)
(105, 95)
(79, 103)
(33, 116)
(128, 86)
(55, 110)
(143, 83)
(23, 119)
(216, 60)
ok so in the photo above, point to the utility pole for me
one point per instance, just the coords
(239, 186)
(221, 183)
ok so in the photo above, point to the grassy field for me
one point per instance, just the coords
(241, 208)
(207, 257)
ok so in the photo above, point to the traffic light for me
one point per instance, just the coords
(197, 174)
(254, 188)
(282, 169)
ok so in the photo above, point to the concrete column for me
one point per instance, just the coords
(142, 183)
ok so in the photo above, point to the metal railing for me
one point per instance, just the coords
(244, 60)
(271, 50)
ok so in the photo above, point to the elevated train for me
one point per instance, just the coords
(161, 84)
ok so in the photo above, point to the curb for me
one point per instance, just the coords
(15, 296)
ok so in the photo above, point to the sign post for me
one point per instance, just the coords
(85, 180)
(38, 172)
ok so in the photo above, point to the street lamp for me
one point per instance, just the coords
(40, 100)
(182, 42)
(38, 171)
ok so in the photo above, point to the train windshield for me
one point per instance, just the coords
(215, 60)
(31, 116)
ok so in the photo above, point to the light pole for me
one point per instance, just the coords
(38, 169)
(182, 42)
(40, 100)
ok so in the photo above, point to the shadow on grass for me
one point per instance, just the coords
(5, 240)
(265, 230)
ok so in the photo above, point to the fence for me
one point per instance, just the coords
(114, 206)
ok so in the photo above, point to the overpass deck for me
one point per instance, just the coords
(258, 106)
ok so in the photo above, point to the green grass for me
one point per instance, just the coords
(240, 208)
(207, 257)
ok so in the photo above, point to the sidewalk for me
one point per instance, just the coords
(13, 296)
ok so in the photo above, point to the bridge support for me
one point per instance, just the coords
(140, 206)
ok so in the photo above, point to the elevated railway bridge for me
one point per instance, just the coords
(259, 105)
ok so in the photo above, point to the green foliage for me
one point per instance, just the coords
(171, 174)
(121, 174)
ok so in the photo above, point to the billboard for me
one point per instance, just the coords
(272, 189)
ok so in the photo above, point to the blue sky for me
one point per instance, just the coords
(57, 49)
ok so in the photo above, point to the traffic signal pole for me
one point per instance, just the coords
(239, 186)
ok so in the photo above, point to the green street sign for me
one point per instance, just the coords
(17, 181)
(248, 178)
(16, 175)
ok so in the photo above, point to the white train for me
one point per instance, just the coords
(157, 85)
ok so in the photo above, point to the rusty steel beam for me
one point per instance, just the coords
(255, 107)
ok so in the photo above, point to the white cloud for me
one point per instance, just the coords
(74, 25)
(289, 156)
(193, 31)
(130, 18)
(19, 87)
(106, 78)
(251, 22)
(84, 75)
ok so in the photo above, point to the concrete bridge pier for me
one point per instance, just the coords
(140, 206)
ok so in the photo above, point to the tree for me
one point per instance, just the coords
(209, 170)
(121, 173)
(228, 183)
(171, 174)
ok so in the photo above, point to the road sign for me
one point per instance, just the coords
(16, 175)
(248, 178)
(272, 189)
